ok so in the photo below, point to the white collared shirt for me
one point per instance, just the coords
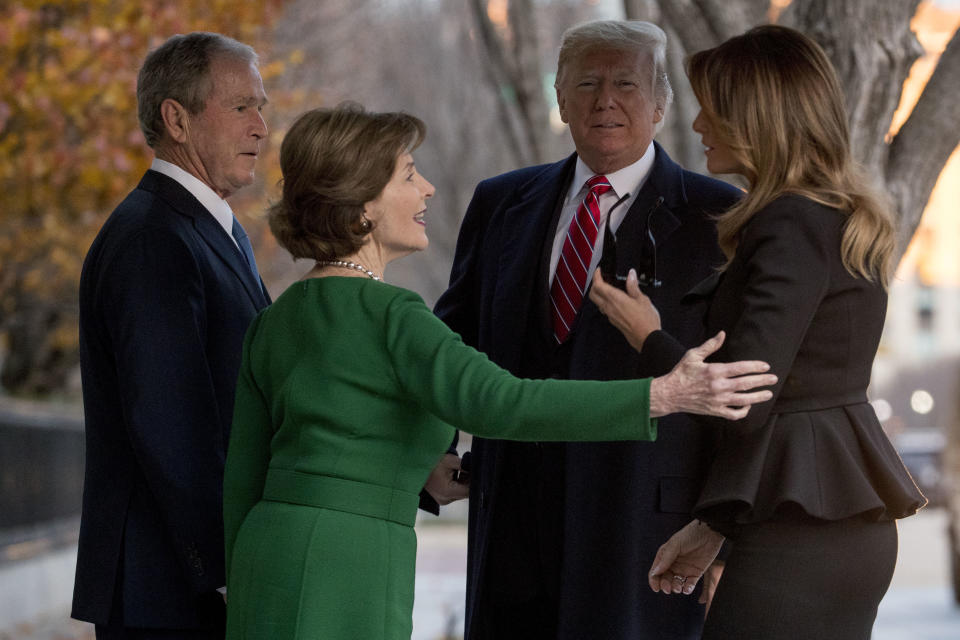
(630, 179)
(213, 203)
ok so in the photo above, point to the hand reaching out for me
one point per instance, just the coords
(710, 388)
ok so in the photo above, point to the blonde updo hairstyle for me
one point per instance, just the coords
(772, 96)
(333, 162)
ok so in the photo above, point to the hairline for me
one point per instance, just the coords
(631, 36)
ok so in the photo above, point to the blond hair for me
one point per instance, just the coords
(772, 96)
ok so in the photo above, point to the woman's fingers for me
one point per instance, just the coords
(709, 347)
(745, 383)
(600, 292)
(739, 368)
(732, 413)
(670, 582)
(633, 284)
(736, 406)
(742, 399)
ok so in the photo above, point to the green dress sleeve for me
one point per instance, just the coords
(248, 453)
(464, 388)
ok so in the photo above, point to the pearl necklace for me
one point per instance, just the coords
(349, 265)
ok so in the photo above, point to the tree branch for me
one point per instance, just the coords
(641, 10)
(499, 75)
(924, 143)
(689, 22)
(732, 18)
(527, 78)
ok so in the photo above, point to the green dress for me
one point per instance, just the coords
(343, 407)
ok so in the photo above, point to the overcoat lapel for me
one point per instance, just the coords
(526, 227)
(659, 196)
(208, 229)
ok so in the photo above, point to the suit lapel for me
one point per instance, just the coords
(217, 239)
(208, 229)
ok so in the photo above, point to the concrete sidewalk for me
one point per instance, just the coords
(35, 595)
(918, 605)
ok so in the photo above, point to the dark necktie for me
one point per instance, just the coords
(244, 243)
(570, 279)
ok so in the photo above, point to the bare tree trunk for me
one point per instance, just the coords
(924, 143)
(872, 48)
(528, 78)
(516, 79)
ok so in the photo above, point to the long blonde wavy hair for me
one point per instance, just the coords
(772, 96)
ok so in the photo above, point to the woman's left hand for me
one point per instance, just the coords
(682, 560)
(631, 312)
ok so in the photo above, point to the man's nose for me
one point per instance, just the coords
(604, 98)
(260, 130)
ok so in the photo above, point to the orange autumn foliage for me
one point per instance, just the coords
(71, 148)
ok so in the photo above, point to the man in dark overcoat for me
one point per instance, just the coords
(561, 536)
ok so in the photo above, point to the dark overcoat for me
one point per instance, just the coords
(621, 500)
(165, 300)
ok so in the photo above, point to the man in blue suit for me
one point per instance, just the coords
(562, 536)
(166, 293)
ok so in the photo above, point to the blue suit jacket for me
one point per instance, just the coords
(165, 300)
(622, 500)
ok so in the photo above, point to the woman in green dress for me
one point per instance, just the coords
(349, 387)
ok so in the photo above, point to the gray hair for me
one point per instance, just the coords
(180, 69)
(623, 35)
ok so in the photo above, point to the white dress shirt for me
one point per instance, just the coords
(630, 179)
(213, 203)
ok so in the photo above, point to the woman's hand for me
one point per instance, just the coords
(710, 389)
(683, 558)
(631, 312)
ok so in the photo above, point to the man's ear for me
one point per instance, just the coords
(176, 120)
(658, 113)
(562, 106)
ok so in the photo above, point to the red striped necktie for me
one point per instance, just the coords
(569, 282)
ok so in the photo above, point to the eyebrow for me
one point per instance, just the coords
(249, 100)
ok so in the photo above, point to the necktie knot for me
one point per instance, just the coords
(599, 184)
